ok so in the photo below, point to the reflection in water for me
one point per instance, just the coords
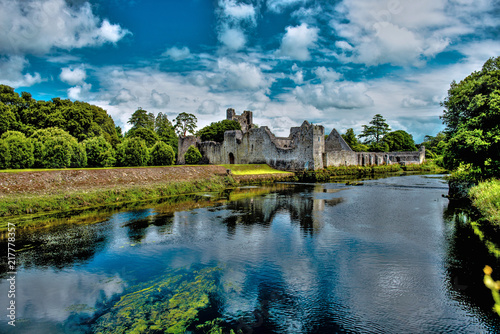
(385, 257)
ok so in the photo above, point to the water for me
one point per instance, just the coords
(385, 257)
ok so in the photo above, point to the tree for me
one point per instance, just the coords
(165, 130)
(353, 142)
(149, 136)
(192, 155)
(399, 140)
(376, 131)
(161, 154)
(56, 148)
(185, 123)
(472, 119)
(434, 145)
(99, 152)
(215, 131)
(132, 152)
(7, 119)
(20, 149)
(141, 119)
(4, 154)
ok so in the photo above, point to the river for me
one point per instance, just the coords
(388, 256)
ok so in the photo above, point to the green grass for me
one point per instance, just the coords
(486, 198)
(252, 169)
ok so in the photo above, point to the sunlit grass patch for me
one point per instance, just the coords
(486, 197)
(252, 169)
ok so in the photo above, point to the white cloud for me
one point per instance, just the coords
(11, 72)
(159, 100)
(412, 102)
(278, 6)
(241, 75)
(238, 11)
(37, 27)
(232, 38)
(79, 92)
(327, 74)
(177, 54)
(209, 107)
(73, 76)
(297, 41)
(343, 95)
(124, 95)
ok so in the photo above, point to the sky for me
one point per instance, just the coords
(336, 63)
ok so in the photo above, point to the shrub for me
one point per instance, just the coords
(132, 152)
(161, 154)
(149, 136)
(100, 153)
(4, 155)
(20, 149)
(192, 156)
(56, 148)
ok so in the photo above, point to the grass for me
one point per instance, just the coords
(252, 169)
(486, 198)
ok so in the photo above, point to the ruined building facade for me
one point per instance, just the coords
(304, 149)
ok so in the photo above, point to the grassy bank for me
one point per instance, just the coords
(28, 204)
(486, 198)
(253, 169)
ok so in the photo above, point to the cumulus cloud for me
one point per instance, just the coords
(123, 96)
(238, 11)
(11, 72)
(241, 75)
(79, 92)
(37, 27)
(327, 74)
(334, 95)
(278, 6)
(73, 76)
(235, 18)
(297, 41)
(232, 38)
(209, 107)
(177, 54)
(159, 100)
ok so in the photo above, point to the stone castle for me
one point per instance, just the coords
(304, 149)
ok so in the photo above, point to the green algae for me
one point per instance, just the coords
(170, 304)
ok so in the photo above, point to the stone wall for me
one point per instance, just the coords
(183, 145)
(349, 158)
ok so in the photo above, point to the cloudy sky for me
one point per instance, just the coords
(332, 62)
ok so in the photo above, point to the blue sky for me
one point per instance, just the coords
(335, 63)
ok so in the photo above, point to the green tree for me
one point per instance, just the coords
(192, 156)
(215, 131)
(376, 131)
(353, 142)
(20, 149)
(161, 154)
(434, 145)
(142, 119)
(7, 119)
(4, 154)
(472, 119)
(185, 123)
(132, 152)
(399, 140)
(378, 147)
(149, 136)
(165, 130)
(99, 152)
(56, 148)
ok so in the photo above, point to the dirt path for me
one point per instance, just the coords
(63, 181)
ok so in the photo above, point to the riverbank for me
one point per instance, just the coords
(486, 198)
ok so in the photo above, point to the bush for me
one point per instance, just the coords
(56, 148)
(161, 154)
(4, 155)
(20, 149)
(192, 156)
(99, 152)
(149, 136)
(132, 152)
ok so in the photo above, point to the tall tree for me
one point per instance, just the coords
(376, 131)
(185, 123)
(353, 142)
(142, 119)
(472, 119)
(165, 130)
(399, 140)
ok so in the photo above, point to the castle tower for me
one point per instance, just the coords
(245, 119)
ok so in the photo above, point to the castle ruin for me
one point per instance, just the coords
(304, 149)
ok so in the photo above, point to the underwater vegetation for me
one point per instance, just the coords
(169, 304)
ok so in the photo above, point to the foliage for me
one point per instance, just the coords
(192, 156)
(161, 154)
(376, 131)
(215, 131)
(20, 149)
(132, 152)
(56, 148)
(399, 141)
(434, 146)
(99, 152)
(353, 142)
(472, 119)
(165, 130)
(378, 147)
(4, 155)
(147, 134)
(142, 119)
(7, 119)
(486, 198)
(494, 286)
(185, 123)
